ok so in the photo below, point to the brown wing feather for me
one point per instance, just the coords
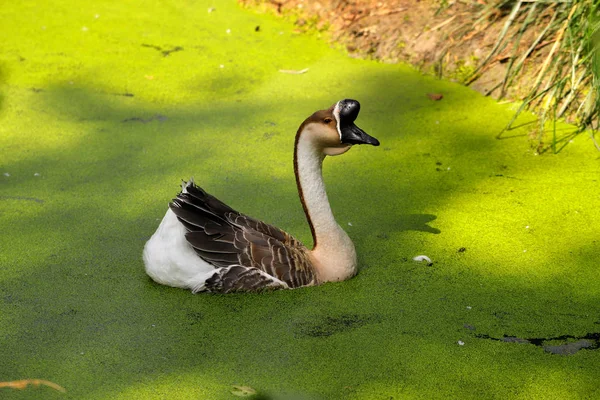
(282, 260)
(238, 278)
(224, 237)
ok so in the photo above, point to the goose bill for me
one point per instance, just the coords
(352, 134)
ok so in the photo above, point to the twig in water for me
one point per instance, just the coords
(292, 71)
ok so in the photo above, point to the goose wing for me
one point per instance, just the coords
(224, 237)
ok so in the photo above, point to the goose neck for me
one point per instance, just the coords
(308, 166)
(333, 252)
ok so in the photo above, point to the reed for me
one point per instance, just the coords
(565, 85)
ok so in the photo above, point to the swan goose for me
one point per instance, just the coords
(206, 246)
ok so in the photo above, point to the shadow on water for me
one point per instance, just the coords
(413, 222)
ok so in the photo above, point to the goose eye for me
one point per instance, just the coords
(327, 120)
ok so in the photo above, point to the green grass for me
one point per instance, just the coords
(91, 171)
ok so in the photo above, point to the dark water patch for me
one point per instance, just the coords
(22, 198)
(330, 325)
(563, 345)
(570, 348)
(194, 317)
(164, 52)
(513, 339)
(156, 117)
(505, 176)
(69, 313)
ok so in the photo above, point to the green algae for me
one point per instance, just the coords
(98, 127)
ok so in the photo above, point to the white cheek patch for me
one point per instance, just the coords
(336, 114)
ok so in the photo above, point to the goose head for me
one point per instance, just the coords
(333, 131)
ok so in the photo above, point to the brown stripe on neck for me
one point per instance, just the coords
(299, 185)
(317, 116)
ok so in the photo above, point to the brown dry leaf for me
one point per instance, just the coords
(435, 96)
(22, 384)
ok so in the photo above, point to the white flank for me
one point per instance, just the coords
(171, 260)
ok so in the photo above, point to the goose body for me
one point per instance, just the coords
(204, 245)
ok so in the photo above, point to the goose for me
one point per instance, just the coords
(206, 246)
